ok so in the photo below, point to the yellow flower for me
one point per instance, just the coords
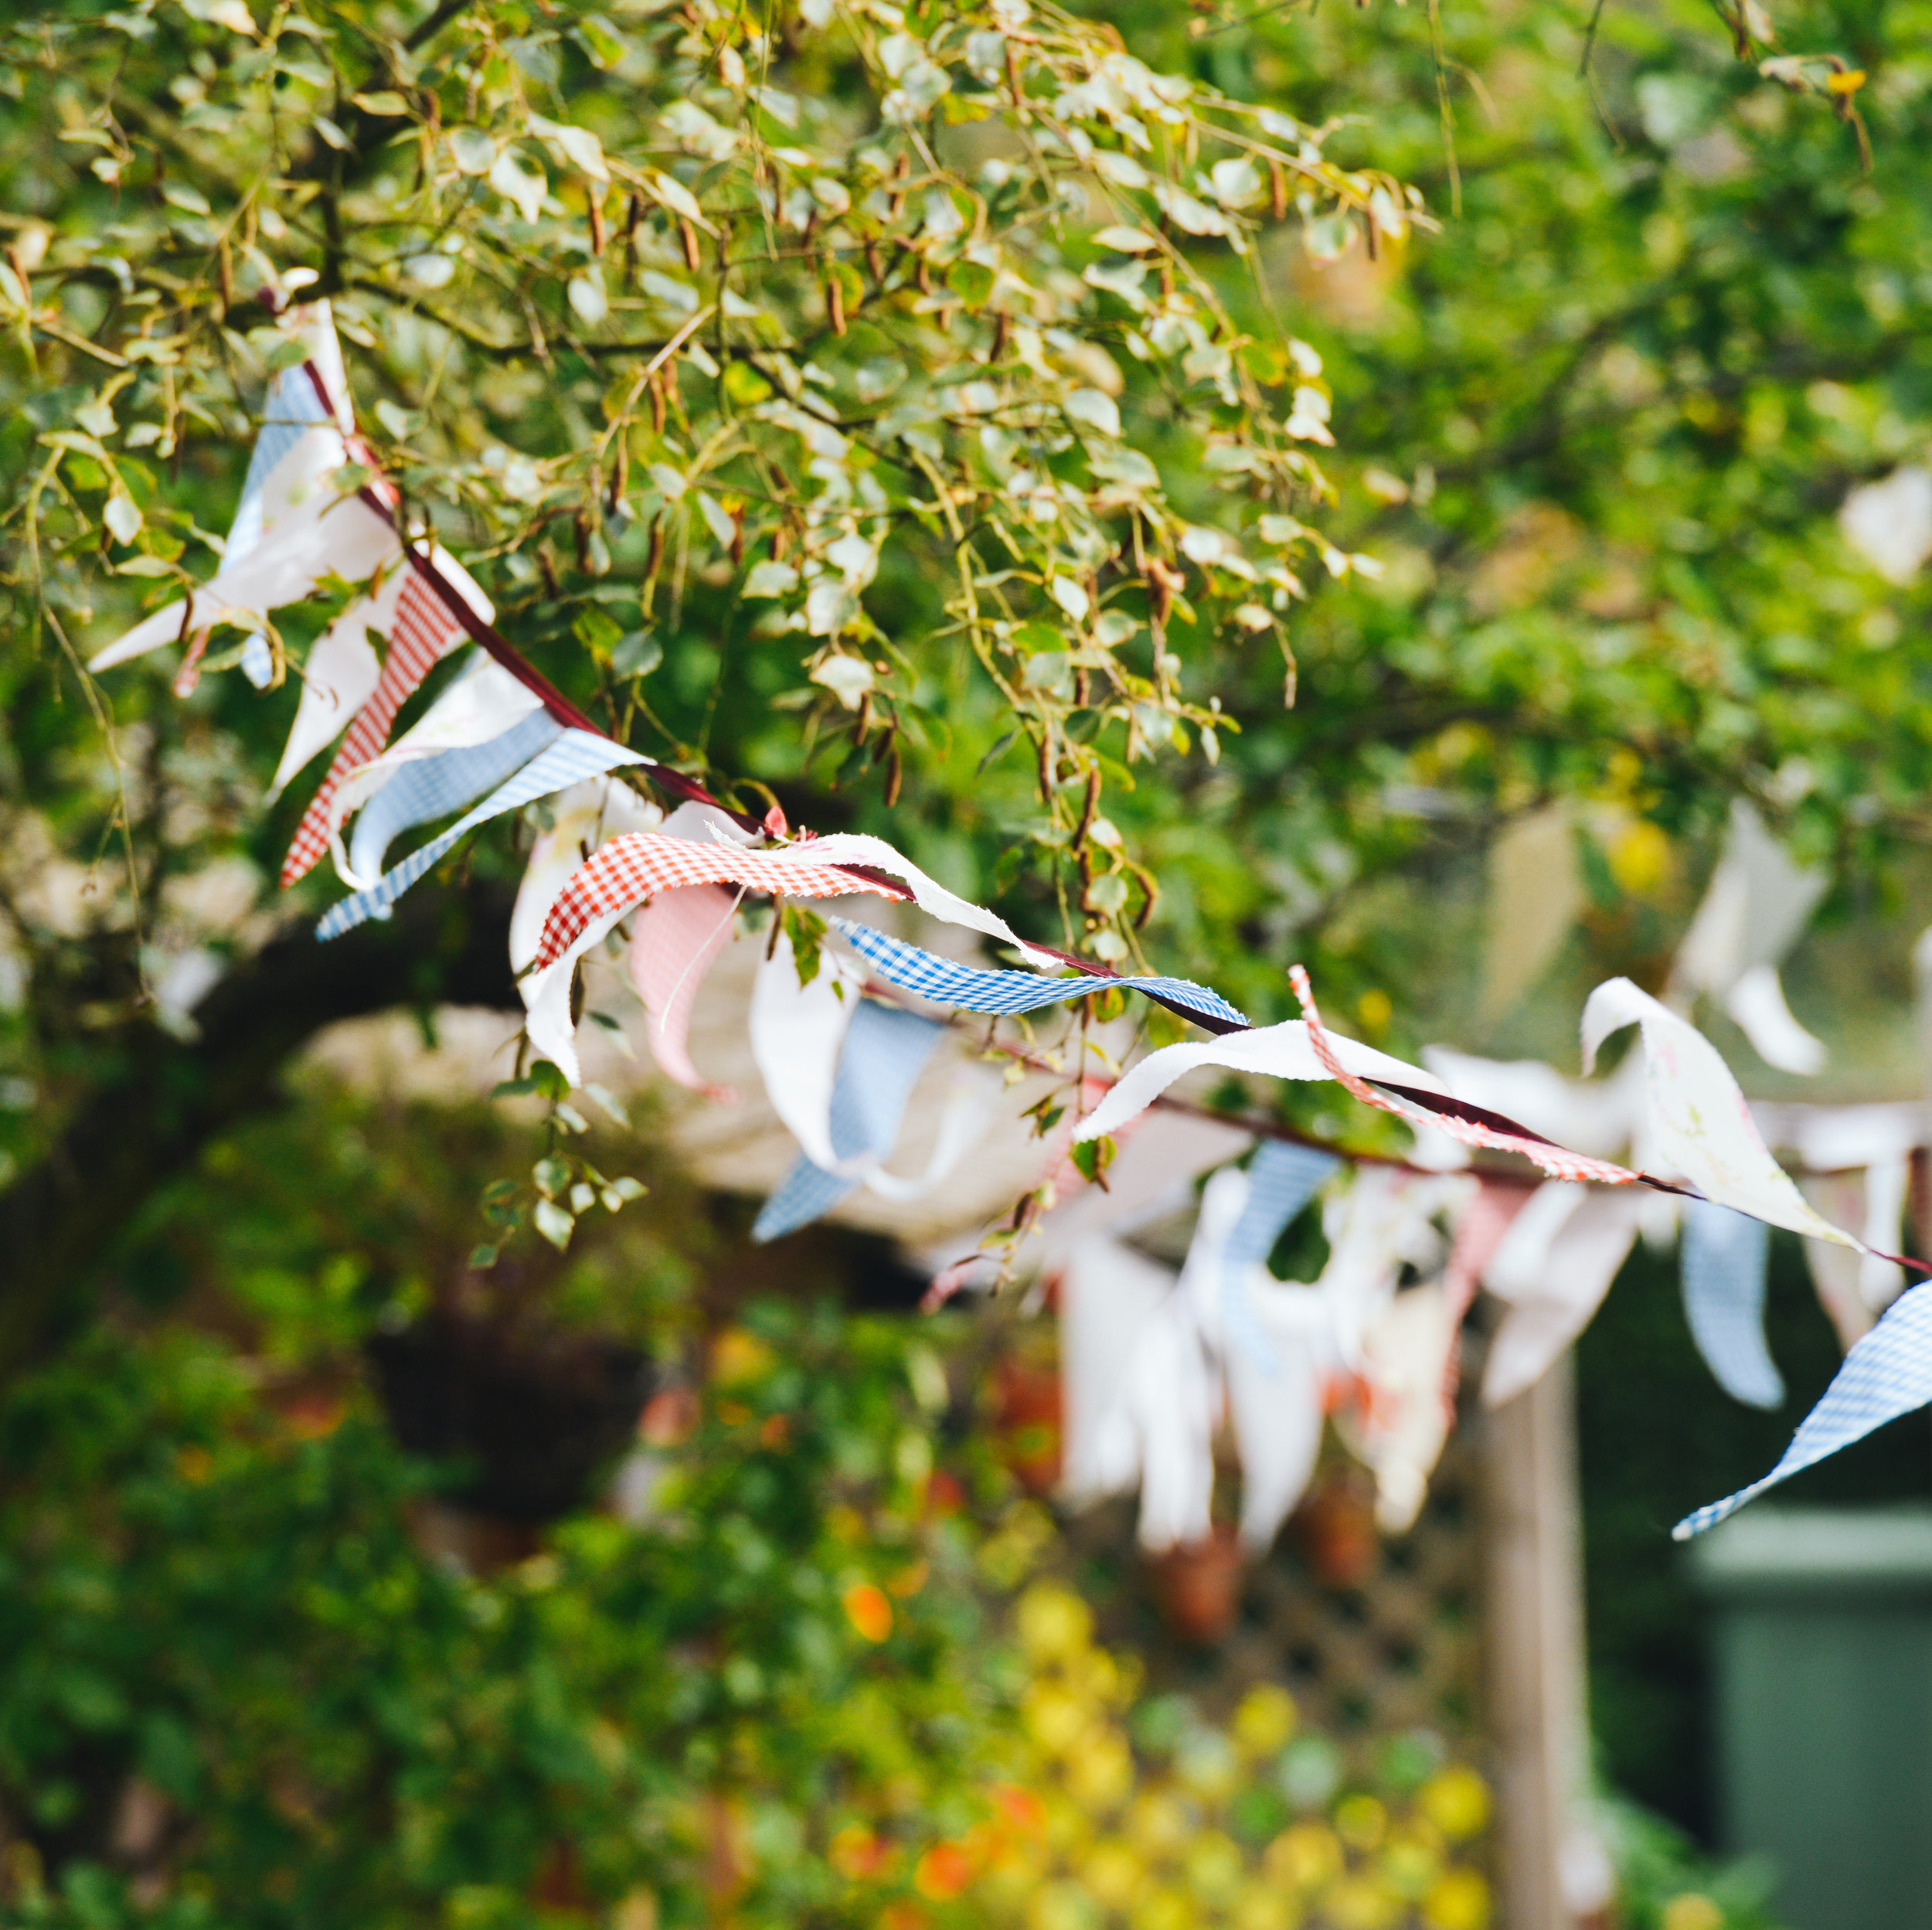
(1362, 1903)
(1208, 1766)
(1158, 1822)
(1100, 1773)
(1114, 1874)
(1264, 1906)
(1457, 1802)
(738, 1357)
(1640, 857)
(1054, 1720)
(1062, 1906)
(1308, 1857)
(1692, 1910)
(1055, 1624)
(1163, 1909)
(1265, 1720)
(1361, 1821)
(1410, 1865)
(1214, 1867)
(1460, 1901)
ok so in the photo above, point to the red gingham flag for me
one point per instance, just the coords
(629, 869)
(425, 630)
(1559, 1161)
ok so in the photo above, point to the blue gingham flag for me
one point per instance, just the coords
(1722, 1259)
(885, 1050)
(1887, 1374)
(1282, 1179)
(973, 989)
(575, 755)
(292, 408)
(432, 788)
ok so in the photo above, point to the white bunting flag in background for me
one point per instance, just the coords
(1758, 903)
(1552, 1270)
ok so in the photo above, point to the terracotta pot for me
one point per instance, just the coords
(1335, 1527)
(1028, 1403)
(1198, 1586)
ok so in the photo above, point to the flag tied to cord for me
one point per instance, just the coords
(973, 989)
(884, 1050)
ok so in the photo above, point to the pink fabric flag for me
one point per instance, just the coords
(673, 940)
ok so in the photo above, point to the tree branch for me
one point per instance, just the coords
(162, 1099)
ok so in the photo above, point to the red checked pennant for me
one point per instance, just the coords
(629, 869)
(425, 630)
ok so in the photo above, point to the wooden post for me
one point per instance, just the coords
(1552, 1872)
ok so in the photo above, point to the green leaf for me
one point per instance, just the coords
(554, 1224)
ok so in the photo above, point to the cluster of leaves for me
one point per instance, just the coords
(240, 1688)
(908, 324)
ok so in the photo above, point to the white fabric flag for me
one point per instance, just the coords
(321, 534)
(796, 1033)
(1757, 904)
(1276, 1052)
(342, 670)
(1696, 1124)
(1275, 1400)
(1399, 1428)
(1109, 1296)
(1551, 1269)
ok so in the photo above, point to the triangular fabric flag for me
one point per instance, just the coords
(1282, 1179)
(797, 1027)
(1722, 1259)
(629, 869)
(1551, 1269)
(1170, 1402)
(1757, 903)
(1503, 1135)
(1109, 1295)
(1399, 1424)
(885, 1050)
(575, 756)
(294, 407)
(1696, 1122)
(1274, 1052)
(426, 788)
(1274, 1393)
(425, 630)
(582, 817)
(1886, 1374)
(1485, 1222)
(973, 988)
(323, 534)
(342, 670)
(674, 940)
(300, 445)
